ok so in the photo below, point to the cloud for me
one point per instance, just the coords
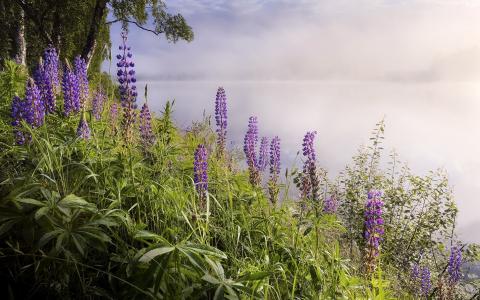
(321, 40)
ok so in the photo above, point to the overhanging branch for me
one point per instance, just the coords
(135, 23)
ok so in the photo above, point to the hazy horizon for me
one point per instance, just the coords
(334, 67)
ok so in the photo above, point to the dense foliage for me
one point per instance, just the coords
(111, 202)
(80, 27)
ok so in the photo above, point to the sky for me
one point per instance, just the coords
(337, 67)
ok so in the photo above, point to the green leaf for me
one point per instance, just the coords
(48, 236)
(254, 276)
(154, 253)
(30, 201)
(41, 212)
(210, 279)
(219, 293)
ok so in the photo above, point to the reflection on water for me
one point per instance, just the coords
(430, 125)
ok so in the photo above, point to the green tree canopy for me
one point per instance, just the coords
(81, 27)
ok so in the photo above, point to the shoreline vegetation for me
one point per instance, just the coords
(103, 199)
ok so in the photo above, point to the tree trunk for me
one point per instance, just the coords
(21, 56)
(34, 16)
(96, 22)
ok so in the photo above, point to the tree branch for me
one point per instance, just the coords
(135, 23)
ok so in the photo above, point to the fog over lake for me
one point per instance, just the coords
(430, 125)
(337, 67)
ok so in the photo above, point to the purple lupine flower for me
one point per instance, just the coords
(274, 169)
(45, 85)
(330, 205)
(221, 120)
(18, 107)
(309, 178)
(454, 265)
(34, 111)
(263, 154)
(200, 175)
(50, 64)
(83, 130)
(113, 117)
(415, 273)
(80, 69)
(415, 278)
(249, 147)
(128, 90)
(146, 132)
(97, 104)
(373, 228)
(426, 283)
(71, 92)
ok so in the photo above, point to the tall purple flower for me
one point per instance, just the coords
(34, 112)
(373, 228)
(30, 109)
(97, 104)
(330, 205)
(146, 132)
(113, 117)
(415, 279)
(221, 120)
(426, 283)
(263, 154)
(200, 175)
(273, 188)
(44, 83)
(51, 65)
(249, 147)
(128, 89)
(309, 178)
(71, 92)
(415, 273)
(83, 130)
(18, 107)
(454, 265)
(80, 69)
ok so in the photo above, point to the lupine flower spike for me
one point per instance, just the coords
(454, 264)
(200, 175)
(249, 148)
(263, 154)
(373, 229)
(146, 132)
(420, 280)
(50, 64)
(114, 117)
(309, 177)
(273, 188)
(414, 278)
(128, 89)
(97, 104)
(330, 205)
(71, 92)
(83, 130)
(30, 109)
(34, 111)
(45, 85)
(80, 69)
(426, 283)
(221, 120)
